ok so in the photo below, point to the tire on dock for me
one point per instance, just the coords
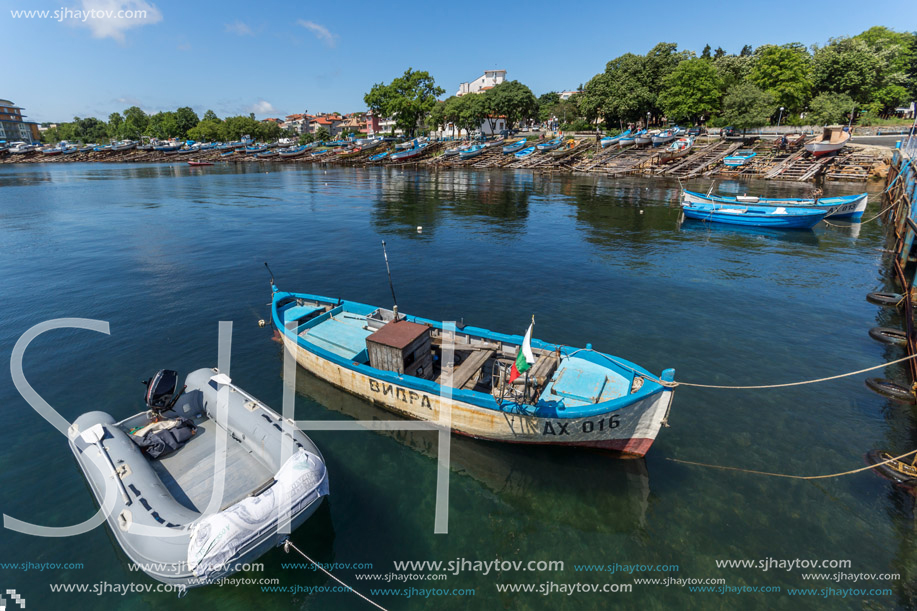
(885, 299)
(887, 388)
(908, 480)
(889, 335)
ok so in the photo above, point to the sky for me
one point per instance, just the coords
(276, 58)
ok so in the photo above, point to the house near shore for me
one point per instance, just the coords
(12, 125)
(489, 127)
(488, 80)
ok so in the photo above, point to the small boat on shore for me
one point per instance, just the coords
(679, 148)
(320, 152)
(410, 153)
(832, 140)
(739, 158)
(611, 140)
(646, 137)
(473, 151)
(228, 153)
(631, 138)
(779, 217)
(124, 145)
(200, 163)
(549, 145)
(666, 136)
(160, 467)
(848, 207)
(526, 152)
(515, 146)
(379, 156)
(567, 396)
(267, 154)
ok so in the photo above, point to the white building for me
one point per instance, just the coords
(565, 95)
(488, 80)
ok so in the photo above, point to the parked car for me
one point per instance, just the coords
(730, 132)
(697, 131)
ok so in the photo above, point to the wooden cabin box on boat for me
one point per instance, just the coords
(403, 347)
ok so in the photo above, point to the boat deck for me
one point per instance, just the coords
(188, 474)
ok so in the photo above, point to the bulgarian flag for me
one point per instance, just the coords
(525, 359)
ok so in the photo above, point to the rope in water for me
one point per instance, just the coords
(287, 545)
(674, 384)
(808, 477)
(890, 206)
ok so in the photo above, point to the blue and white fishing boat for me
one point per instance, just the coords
(849, 207)
(253, 150)
(267, 154)
(610, 140)
(228, 153)
(320, 152)
(526, 152)
(567, 396)
(739, 158)
(379, 156)
(550, 145)
(779, 217)
(515, 147)
(472, 151)
(410, 153)
(631, 138)
(666, 135)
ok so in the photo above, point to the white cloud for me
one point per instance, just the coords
(320, 31)
(261, 107)
(240, 28)
(112, 18)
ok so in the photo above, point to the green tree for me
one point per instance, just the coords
(594, 101)
(306, 139)
(546, 103)
(407, 98)
(436, 120)
(115, 122)
(785, 73)
(512, 100)
(629, 94)
(746, 51)
(210, 116)
(135, 123)
(692, 91)
(848, 65)
(829, 108)
(185, 119)
(322, 134)
(719, 53)
(732, 69)
(206, 131)
(705, 54)
(746, 106)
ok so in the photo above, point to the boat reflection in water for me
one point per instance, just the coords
(743, 235)
(595, 493)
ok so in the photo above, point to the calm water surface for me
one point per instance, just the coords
(165, 252)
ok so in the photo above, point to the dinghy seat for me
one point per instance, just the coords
(471, 366)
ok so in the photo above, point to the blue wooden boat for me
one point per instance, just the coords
(473, 151)
(102, 148)
(266, 154)
(410, 153)
(249, 150)
(569, 396)
(666, 135)
(228, 153)
(779, 217)
(525, 152)
(849, 207)
(320, 152)
(549, 145)
(631, 138)
(609, 140)
(379, 156)
(515, 147)
(738, 158)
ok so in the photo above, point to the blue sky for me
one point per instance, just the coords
(276, 58)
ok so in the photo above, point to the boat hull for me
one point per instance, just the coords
(847, 207)
(755, 220)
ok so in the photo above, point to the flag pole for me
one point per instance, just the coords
(390, 285)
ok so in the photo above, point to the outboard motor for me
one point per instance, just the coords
(160, 390)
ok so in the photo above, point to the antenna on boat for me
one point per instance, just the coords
(270, 272)
(390, 285)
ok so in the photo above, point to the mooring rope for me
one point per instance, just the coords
(808, 477)
(675, 383)
(889, 207)
(287, 545)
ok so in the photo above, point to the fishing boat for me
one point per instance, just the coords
(379, 156)
(88, 148)
(266, 154)
(124, 145)
(739, 158)
(646, 137)
(631, 138)
(228, 153)
(254, 150)
(526, 152)
(564, 148)
(679, 148)
(610, 140)
(849, 207)
(52, 151)
(515, 146)
(410, 153)
(319, 153)
(369, 144)
(452, 152)
(473, 151)
(666, 136)
(293, 152)
(350, 152)
(200, 163)
(568, 396)
(789, 142)
(159, 469)
(779, 217)
(832, 140)
(550, 145)
(102, 148)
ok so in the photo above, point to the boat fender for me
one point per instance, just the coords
(888, 471)
(888, 335)
(891, 390)
(885, 299)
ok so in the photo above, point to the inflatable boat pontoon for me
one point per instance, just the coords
(199, 488)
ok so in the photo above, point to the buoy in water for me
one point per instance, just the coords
(898, 471)
(262, 322)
